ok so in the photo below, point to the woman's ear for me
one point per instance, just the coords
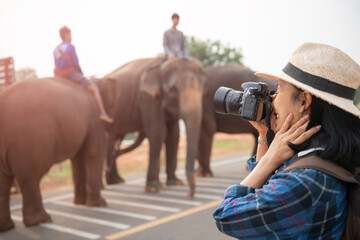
(305, 101)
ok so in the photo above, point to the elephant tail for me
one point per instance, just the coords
(138, 141)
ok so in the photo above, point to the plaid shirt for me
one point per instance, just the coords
(300, 204)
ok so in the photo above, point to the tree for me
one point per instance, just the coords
(25, 73)
(357, 98)
(213, 52)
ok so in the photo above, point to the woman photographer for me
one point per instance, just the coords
(313, 113)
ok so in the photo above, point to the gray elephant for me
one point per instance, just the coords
(231, 76)
(42, 122)
(153, 95)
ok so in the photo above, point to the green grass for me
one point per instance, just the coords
(62, 169)
(227, 144)
(235, 145)
(134, 169)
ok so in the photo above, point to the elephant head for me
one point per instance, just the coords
(178, 85)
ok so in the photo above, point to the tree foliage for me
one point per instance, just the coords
(213, 52)
(25, 73)
(357, 98)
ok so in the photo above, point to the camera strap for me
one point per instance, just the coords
(270, 134)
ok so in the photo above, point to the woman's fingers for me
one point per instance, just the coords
(286, 124)
(298, 130)
(306, 135)
(299, 123)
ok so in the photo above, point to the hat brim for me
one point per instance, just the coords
(343, 103)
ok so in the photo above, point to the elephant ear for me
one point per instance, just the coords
(168, 71)
(150, 81)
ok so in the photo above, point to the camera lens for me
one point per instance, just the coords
(227, 100)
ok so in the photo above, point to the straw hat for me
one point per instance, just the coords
(324, 71)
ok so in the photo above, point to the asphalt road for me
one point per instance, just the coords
(133, 214)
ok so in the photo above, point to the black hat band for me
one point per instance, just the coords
(319, 83)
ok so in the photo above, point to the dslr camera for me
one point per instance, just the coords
(253, 104)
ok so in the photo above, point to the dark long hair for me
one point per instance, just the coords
(339, 133)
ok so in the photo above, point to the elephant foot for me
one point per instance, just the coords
(114, 179)
(203, 173)
(79, 201)
(6, 224)
(174, 182)
(154, 187)
(191, 192)
(36, 218)
(96, 203)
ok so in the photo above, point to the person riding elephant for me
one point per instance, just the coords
(231, 76)
(153, 96)
(67, 65)
(174, 42)
(43, 122)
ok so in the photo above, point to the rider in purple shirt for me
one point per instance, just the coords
(67, 65)
(61, 61)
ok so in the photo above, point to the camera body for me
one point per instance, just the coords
(253, 104)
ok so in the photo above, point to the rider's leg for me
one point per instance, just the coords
(103, 115)
(79, 78)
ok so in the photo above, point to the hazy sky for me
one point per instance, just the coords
(109, 33)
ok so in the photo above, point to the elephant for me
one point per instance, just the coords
(42, 122)
(153, 95)
(231, 76)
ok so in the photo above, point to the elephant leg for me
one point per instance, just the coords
(172, 142)
(154, 127)
(204, 154)
(33, 209)
(5, 184)
(79, 178)
(93, 158)
(112, 175)
(93, 178)
(153, 183)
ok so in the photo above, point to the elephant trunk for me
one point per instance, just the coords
(192, 114)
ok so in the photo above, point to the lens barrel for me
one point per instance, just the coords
(227, 101)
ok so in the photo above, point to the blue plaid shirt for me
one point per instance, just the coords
(299, 204)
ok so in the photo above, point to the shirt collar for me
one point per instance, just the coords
(299, 154)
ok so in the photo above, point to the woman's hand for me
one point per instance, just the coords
(279, 150)
(260, 127)
(261, 148)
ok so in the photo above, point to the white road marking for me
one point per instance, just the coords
(52, 199)
(70, 231)
(222, 185)
(143, 205)
(160, 199)
(63, 229)
(205, 196)
(107, 210)
(88, 219)
(231, 159)
(198, 195)
(199, 188)
(220, 180)
(235, 158)
(201, 183)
